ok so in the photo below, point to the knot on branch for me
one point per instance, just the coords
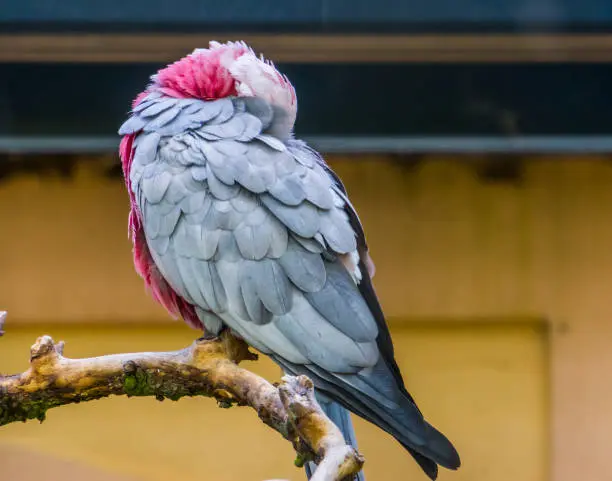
(321, 435)
(45, 354)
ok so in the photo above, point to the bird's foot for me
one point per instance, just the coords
(208, 336)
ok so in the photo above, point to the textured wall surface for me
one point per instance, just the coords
(480, 384)
(447, 246)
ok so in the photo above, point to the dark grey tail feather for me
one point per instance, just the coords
(427, 465)
(341, 418)
(405, 422)
(432, 448)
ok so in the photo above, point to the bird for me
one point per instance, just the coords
(239, 225)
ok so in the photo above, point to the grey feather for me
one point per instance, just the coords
(131, 125)
(285, 165)
(167, 266)
(322, 343)
(187, 240)
(261, 155)
(227, 248)
(231, 129)
(289, 190)
(221, 216)
(208, 243)
(305, 269)
(252, 128)
(314, 244)
(272, 142)
(211, 154)
(226, 110)
(359, 385)
(279, 239)
(253, 240)
(239, 104)
(189, 276)
(302, 154)
(177, 125)
(231, 148)
(255, 308)
(193, 203)
(220, 190)
(317, 188)
(337, 232)
(159, 244)
(213, 324)
(199, 173)
(340, 302)
(273, 286)
(155, 168)
(187, 103)
(260, 109)
(163, 119)
(302, 219)
(152, 220)
(157, 107)
(164, 207)
(244, 202)
(147, 148)
(264, 281)
(225, 173)
(190, 156)
(154, 188)
(181, 186)
(154, 95)
(146, 102)
(210, 285)
(212, 107)
(198, 216)
(168, 222)
(257, 179)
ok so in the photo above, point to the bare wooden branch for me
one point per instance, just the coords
(206, 368)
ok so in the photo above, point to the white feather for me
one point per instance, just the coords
(260, 79)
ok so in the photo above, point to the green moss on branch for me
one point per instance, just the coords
(206, 368)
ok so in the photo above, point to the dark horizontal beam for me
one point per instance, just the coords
(350, 145)
(270, 13)
(310, 48)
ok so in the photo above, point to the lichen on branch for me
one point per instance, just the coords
(206, 368)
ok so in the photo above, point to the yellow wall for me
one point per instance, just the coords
(446, 246)
(479, 383)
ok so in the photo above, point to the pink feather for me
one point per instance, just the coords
(143, 261)
(201, 75)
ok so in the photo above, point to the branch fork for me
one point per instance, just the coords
(205, 368)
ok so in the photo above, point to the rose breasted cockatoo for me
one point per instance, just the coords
(237, 225)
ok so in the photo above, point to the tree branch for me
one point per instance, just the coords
(206, 368)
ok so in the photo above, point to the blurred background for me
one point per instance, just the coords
(474, 138)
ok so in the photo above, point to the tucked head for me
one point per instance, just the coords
(224, 70)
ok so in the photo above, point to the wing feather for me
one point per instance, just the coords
(255, 233)
(254, 229)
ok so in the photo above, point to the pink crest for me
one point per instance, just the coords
(202, 74)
